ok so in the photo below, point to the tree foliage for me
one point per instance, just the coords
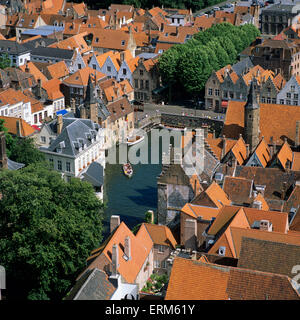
(48, 228)
(24, 151)
(10, 141)
(5, 61)
(189, 65)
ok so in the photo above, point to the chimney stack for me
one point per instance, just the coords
(190, 234)
(114, 222)
(122, 56)
(115, 260)
(3, 156)
(223, 147)
(59, 124)
(265, 225)
(127, 247)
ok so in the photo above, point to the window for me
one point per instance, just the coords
(68, 166)
(142, 84)
(263, 99)
(108, 69)
(281, 101)
(161, 248)
(210, 91)
(268, 100)
(295, 102)
(274, 100)
(288, 95)
(156, 264)
(136, 83)
(124, 71)
(51, 163)
(147, 84)
(59, 165)
(43, 139)
(295, 96)
(292, 88)
(94, 66)
(288, 102)
(35, 118)
(79, 65)
(123, 43)
(225, 94)
(141, 72)
(217, 92)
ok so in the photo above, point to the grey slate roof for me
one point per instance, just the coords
(94, 174)
(50, 52)
(75, 134)
(92, 286)
(242, 66)
(44, 42)
(12, 47)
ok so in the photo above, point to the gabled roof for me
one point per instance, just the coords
(58, 70)
(38, 75)
(196, 211)
(11, 125)
(141, 245)
(285, 154)
(52, 88)
(235, 235)
(218, 198)
(161, 235)
(262, 152)
(81, 76)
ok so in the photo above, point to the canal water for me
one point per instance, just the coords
(131, 197)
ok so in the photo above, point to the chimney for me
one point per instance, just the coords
(19, 128)
(114, 222)
(257, 204)
(26, 68)
(247, 150)
(115, 260)
(59, 124)
(190, 234)
(127, 247)
(122, 56)
(223, 147)
(39, 87)
(265, 225)
(3, 156)
(214, 134)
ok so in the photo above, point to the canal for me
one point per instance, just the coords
(131, 197)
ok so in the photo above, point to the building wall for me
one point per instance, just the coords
(161, 257)
(290, 93)
(268, 92)
(145, 272)
(109, 68)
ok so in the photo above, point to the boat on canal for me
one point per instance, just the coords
(127, 169)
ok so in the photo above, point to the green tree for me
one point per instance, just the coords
(48, 228)
(228, 46)
(194, 69)
(24, 151)
(5, 62)
(221, 54)
(10, 141)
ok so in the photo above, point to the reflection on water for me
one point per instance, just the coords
(131, 197)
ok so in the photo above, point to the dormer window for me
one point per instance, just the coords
(123, 43)
(97, 40)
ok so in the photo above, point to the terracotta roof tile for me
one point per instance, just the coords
(141, 245)
(58, 70)
(285, 154)
(161, 235)
(296, 161)
(239, 190)
(11, 125)
(276, 121)
(52, 88)
(32, 69)
(262, 152)
(81, 76)
(196, 211)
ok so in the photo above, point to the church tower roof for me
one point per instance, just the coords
(89, 96)
(252, 102)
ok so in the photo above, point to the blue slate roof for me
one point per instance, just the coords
(43, 30)
(94, 174)
(76, 133)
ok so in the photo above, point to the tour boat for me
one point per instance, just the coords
(127, 169)
(134, 140)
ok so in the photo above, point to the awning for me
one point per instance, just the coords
(62, 112)
(224, 104)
